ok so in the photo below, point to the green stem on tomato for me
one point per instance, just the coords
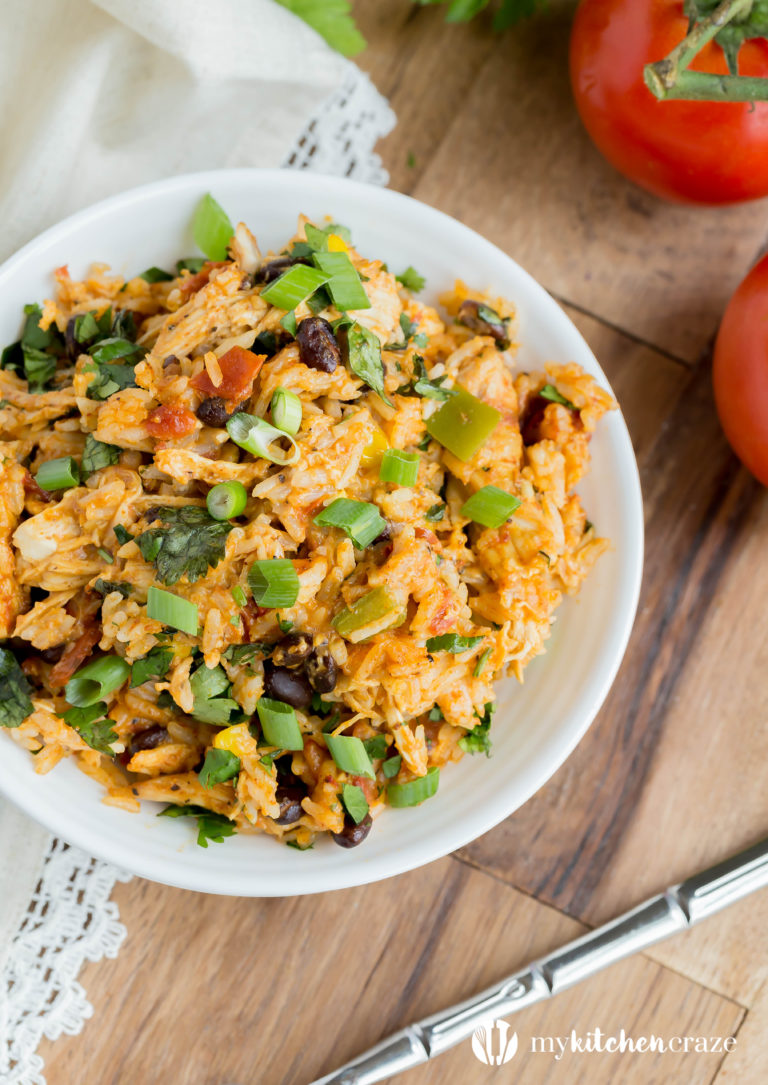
(670, 78)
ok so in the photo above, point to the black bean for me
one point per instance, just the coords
(52, 655)
(289, 797)
(531, 419)
(352, 835)
(322, 671)
(171, 360)
(273, 269)
(318, 348)
(148, 739)
(213, 412)
(290, 686)
(384, 535)
(487, 323)
(292, 650)
(73, 348)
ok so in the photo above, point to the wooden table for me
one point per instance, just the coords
(671, 776)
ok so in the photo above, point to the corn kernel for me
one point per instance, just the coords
(336, 243)
(236, 739)
(372, 452)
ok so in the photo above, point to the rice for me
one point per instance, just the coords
(384, 658)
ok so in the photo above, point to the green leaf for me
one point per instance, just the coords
(156, 275)
(453, 643)
(435, 513)
(190, 543)
(391, 766)
(206, 684)
(110, 378)
(155, 664)
(193, 264)
(210, 826)
(333, 20)
(39, 367)
(551, 393)
(246, 653)
(104, 587)
(421, 385)
(15, 691)
(92, 727)
(219, 765)
(411, 279)
(97, 454)
(376, 747)
(461, 11)
(355, 802)
(363, 355)
(478, 740)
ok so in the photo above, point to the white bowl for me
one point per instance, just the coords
(537, 725)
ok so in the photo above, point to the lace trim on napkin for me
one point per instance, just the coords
(71, 918)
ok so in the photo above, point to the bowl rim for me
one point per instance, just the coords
(542, 766)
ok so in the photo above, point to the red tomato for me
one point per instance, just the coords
(699, 152)
(239, 368)
(741, 371)
(169, 421)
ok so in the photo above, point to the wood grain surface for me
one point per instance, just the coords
(220, 991)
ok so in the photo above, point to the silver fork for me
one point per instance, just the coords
(677, 909)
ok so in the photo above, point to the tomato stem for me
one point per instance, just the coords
(671, 78)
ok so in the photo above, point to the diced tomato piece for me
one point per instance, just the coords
(192, 283)
(250, 614)
(76, 654)
(239, 368)
(169, 421)
(32, 487)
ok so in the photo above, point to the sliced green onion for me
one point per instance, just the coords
(350, 755)
(211, 228)
(435, 513)
(372, 613)
(238, 594)
(453, 643)
(551, 393)
(355, 802)
(482, 659)
(97, 454)
(274, 583)
(361, 520)
(289, 323)
(286, 410)
(294, 286)
(226, 499)
(343, 280)
(490, 506)
(414, 791)
(463, 424)
(96, 681)
(219, 765)
(260, 439)
(105, 555)
(279, 724)
(399, 467)
(172, 610)
(58, 474)
(361, 350)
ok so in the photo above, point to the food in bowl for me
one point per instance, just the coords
(271, 527)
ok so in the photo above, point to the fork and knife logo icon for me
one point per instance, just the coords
(493, 1045)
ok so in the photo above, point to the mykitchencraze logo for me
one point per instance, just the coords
(493, 1045)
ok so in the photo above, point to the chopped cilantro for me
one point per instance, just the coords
(246, 653)
(355, 802)
(421, 385)
(376, 747)
(97, 454)
(109, 378)
(478, 740)
(435, 713)
(482, 659)
(210, 826)
(295, 844)
(285, 626)
(104, 587)
(190, 543)
(15, 691)
(219, 765)
(155, 664)
(156, 275)
(411, 279)
(453, 643)
(391, 766)
(551, 393)
(122, 534)
(435, 513)
(93, 727)
(207, 683)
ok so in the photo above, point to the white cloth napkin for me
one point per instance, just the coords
(96, 97)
